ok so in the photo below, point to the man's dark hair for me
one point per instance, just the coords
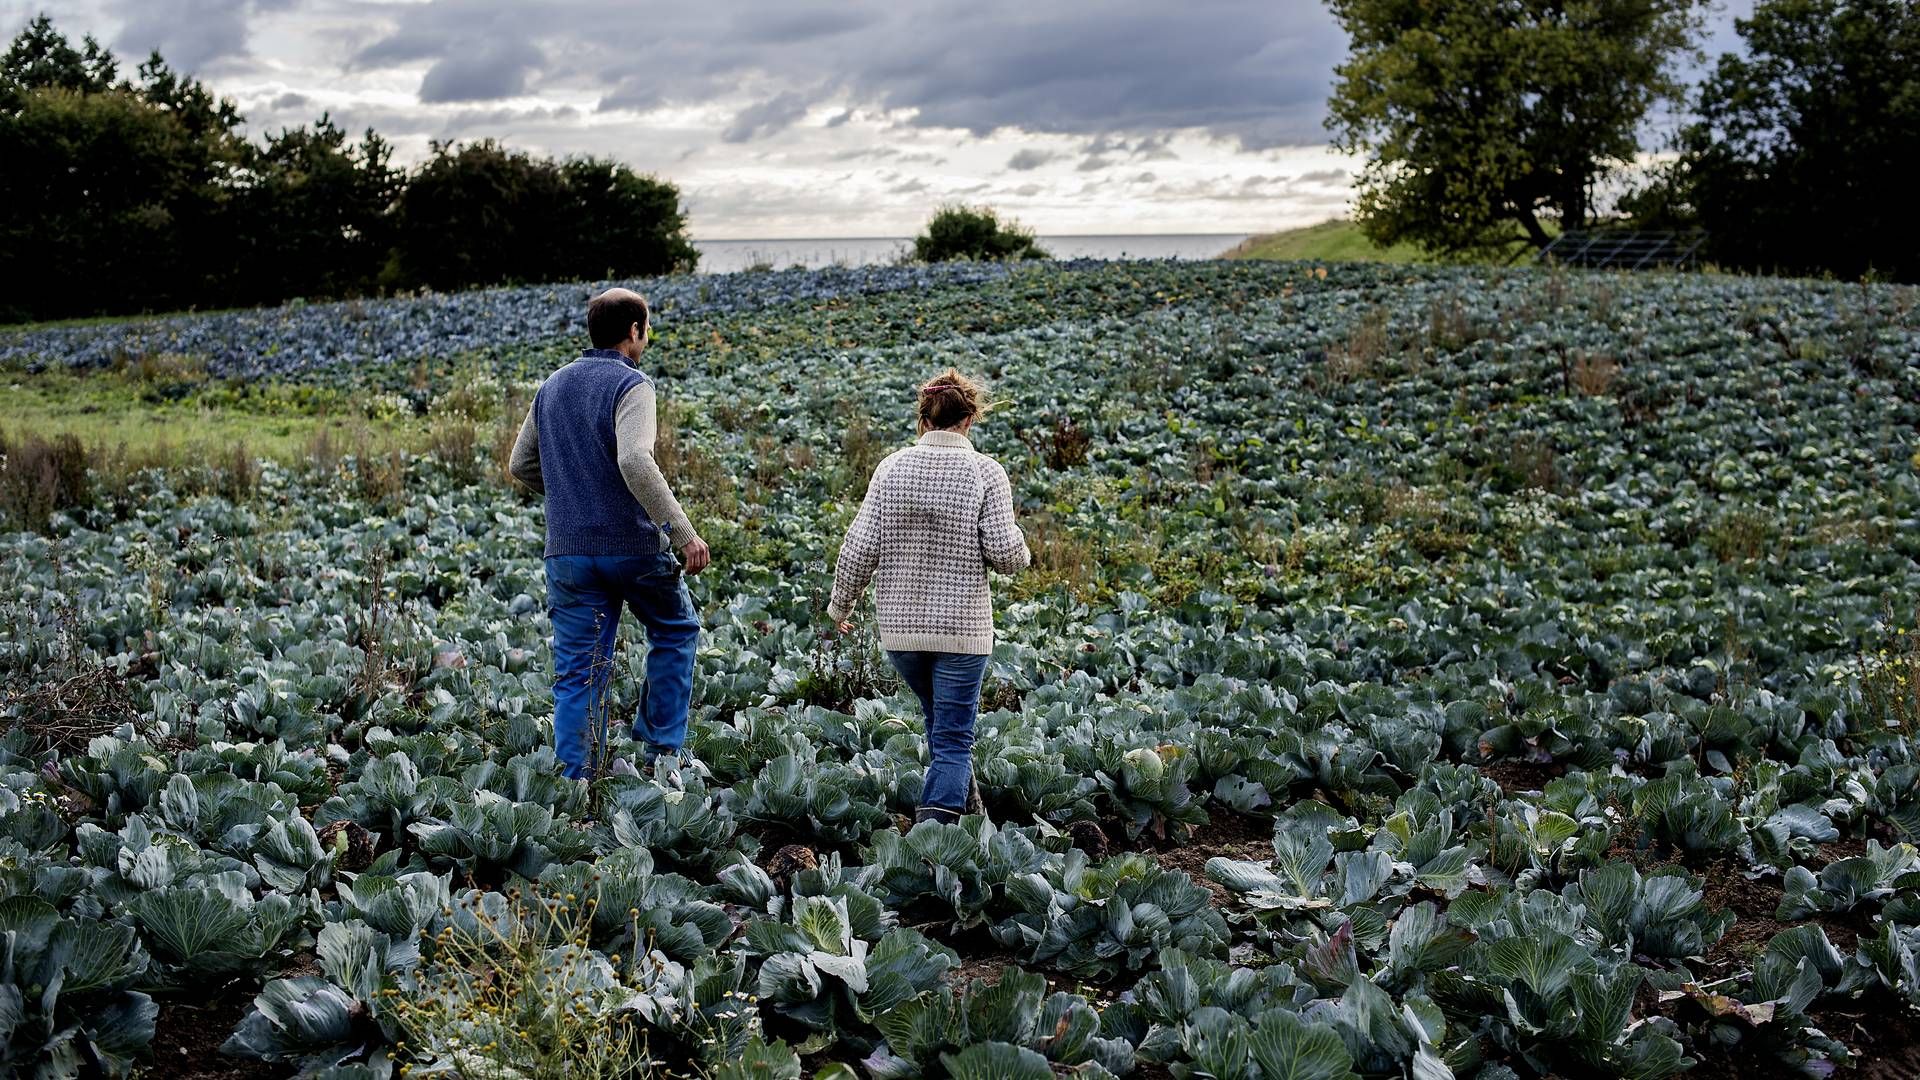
(611, 314)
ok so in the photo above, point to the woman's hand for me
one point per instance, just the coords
(845, 626)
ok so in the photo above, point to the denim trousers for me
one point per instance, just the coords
(948, 686)
(585, 595)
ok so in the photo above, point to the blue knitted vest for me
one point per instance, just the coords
(589, 509)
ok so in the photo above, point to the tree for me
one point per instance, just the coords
(315, 213)
(624, 223)
(482, 214)
(88, 203)
(40, 57)
(124, 195)
(111, 188)
(974, 232)
(1482, 122)
(1800, 155)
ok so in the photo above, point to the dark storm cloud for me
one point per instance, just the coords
(1253, 70)
(765, 118)
(191, 34)
(493, 71)
(1029, 158)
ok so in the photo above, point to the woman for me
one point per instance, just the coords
(936, 516)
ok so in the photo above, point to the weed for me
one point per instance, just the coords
(380, 478)
(1449, 328)
(510, 987)
(1592, 375)
(238, 477)
(860, 451)
(456, 443)
(1890, 682)
(1068, 446)
(1060, 558)
(40, 477)
(1367, 343)
(844, 668)
(1738, 535)
(500, 440)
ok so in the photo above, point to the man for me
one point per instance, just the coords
(612, 528)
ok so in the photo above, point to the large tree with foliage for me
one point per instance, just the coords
(479, 213)
(1485, 123)
(1801, 155)
(315, 217)
(111, 185)
(41, 57)
(136, 194)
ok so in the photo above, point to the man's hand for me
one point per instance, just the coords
(697, 555)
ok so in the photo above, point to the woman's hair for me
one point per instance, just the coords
(949, 400)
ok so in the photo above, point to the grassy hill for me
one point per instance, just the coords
(1338, 240)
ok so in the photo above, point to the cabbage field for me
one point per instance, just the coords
(1425, 672)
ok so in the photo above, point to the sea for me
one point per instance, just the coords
(726, 256)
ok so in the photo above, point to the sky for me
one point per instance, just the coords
(784, 119)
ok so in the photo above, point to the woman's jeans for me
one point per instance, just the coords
(948, 686)
(585, 594)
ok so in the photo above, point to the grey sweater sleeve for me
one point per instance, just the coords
(859, 553)
(1001, 543)
(524, 463)
(634, 428)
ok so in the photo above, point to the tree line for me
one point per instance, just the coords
(1487, 128)
(142, 193)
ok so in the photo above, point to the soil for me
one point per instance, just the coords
(187, 1038)
(987, 969)
(1515, 776)
(1882, 1032)
(1227, 835)
(1852, 847)
(1753, 904)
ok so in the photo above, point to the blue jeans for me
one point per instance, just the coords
(585, 594)
(948, 686)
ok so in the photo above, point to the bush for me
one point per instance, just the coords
(977, 233)
(39, 477)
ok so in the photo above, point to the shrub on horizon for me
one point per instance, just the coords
(976, 233)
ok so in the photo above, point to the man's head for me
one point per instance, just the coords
(617, 319)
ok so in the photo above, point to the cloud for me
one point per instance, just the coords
(908, 188)
(495, 71)
(789, 26)
(1256, 71)
(1028, 158)
(1145, 148)
(765, 118)
(191, 34)
(290, 100)
(1093, 163)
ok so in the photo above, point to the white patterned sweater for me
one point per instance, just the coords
(936, 516)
